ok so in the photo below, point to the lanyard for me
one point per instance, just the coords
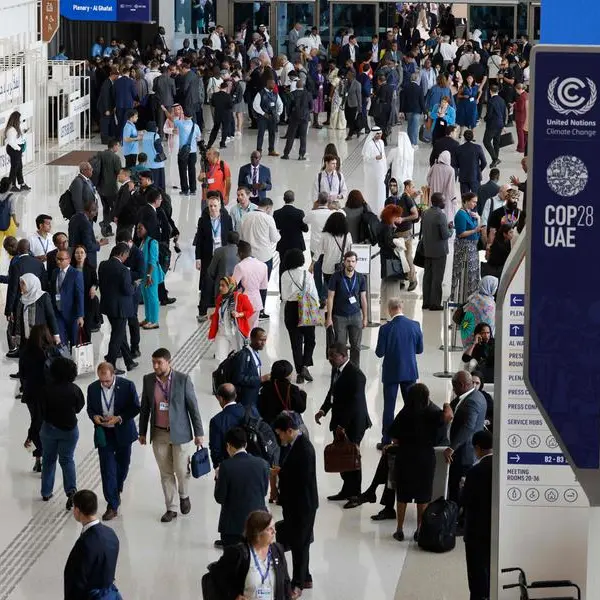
(216, 230)
(263, 578)
(108, 404)
(44, 248)
(350, 288)
(165, 389)
(257, 358)
(329, 181)
(510, 216)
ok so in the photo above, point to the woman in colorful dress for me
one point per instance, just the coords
(319, 101)
(467, 99)
(480, 308)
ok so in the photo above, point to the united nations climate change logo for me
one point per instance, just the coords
(572, 96)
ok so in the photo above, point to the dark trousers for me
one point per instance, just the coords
(118, 341)
(456, 472)
(199, 118)
(390, 393)
(263, 293)
(68, 330)
(352, 479)
(491, 142)
(296, 127)
(432, 281)
(206, 286)
(221, 121)
(130, 160)
(33, 433)
(266, 124)
(108, 204)
(318, 275)
(187, 172)
(114, 466)
(230, 539)
(302, 339)
(163, 293)
(388, 497)
(121, 118)
(350, 114)
(478, 569)
(158, 177)
(107, 128)
(134, 330)
(16, 166)
(300, 536)
(469, 186)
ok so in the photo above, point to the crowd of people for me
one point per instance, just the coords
(149, 104)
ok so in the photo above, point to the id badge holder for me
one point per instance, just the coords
(163, 406)
(352, 300)
(264, 593)
(57, 298)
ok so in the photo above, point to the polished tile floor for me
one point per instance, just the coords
(352, 557)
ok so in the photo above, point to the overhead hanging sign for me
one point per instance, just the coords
(138, 11)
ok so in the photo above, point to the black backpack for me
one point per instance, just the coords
(262, 441)
(65, 203)
(224, 373)
(438, 528)
(5, 213)
(369, 227)
(96, 164)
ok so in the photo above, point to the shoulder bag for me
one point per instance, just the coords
(309, 313)
(158, 148)
(287, 408)
(419, 258)
(185, 150)
(340, 265)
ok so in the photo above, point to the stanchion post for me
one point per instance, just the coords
(454, 347)
(446, 374)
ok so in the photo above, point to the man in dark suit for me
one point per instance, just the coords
(61, 242)
(160, 40)
(476, 499)
(224, 260)
(495, 121)
(188, 91)
(164, 91)
(91, 566)
(112, 405)
(447, 142)
(148, 211)
(469, 408)
(348, 404)
(348, 52)
(66, 292)
(125, 97)
(470, 161)
(300, 109)
(410, 35)
(81, 232)
(298, 496)
(413, 106)
(241, 487)
(247, 372)
(256, 177)
(136, 265)
(488, 190)
(106, 106)
(110, 166)
(436, 233)
(116, 302)
(231, 415)
(290, 224)
(398, 343)
(125, 209)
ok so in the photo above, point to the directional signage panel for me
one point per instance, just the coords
(562, 352)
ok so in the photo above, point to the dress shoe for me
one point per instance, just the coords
(399, 535)
(25, 188)
(69, 504)
(135, 353)
(416, 536)
(412, 285)
(379, 446)
(15, 375)
(368, 497)
(436, 308)
(46, 498)
(306, 374)
(299, 379)
(425, 307)
(132, 365)
(13, 353)
(168, 301)
(285, 157)
(384, 515)
(337, 497)
(219, 544)
(14, 189)
(37, 467)
(273, 153)
(352, 503)
(119, 372)
(185, 505)
(302, 157)
(308, 584)
(168, 516)
(110, 514)
(347, 139)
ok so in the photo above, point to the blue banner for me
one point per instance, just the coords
(137, 11)
(563, 222)
(536, 458)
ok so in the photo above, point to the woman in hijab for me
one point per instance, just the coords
(442, 178)
(375, 167)
(480, 308)
(35, 308)
(229, 323)
(152, 148)
(402, 158)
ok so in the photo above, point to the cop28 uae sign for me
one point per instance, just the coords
(562, 337)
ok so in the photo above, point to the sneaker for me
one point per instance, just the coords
(182, 193)
(168, 516)
(15, 189)
(302, 157)
(25, 188)
(238, 134)
(263, 316)
(285, 157)
(201, 318)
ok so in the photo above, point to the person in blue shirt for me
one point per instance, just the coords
(98, 47)
(131, 137)
(61, 54)
(465, 269)
(442, 114)
(189, 133)
(152, 147)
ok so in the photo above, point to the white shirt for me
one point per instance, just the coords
(291, 284)
(259, 230)
(40, 245)
(333, 183)
(493, 65)
(490, 206)
(314, 41)
(257, 108)
(316, 219)
(150, 76)
(238, 214)
(448, 51)
(12, 139)
(466, 60)
(215, 38)
(89, 525)
(352, 50)
(332, 249)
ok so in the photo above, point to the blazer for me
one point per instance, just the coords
(184, 415)
(92, 563)
(204, 235)
(436, 233)
(246, 378)
(470, 161)
(125, 208)
(71, 294)
(344, 55)
(126, 405)
(495, 117)
(264, 176)
(241, 487)
(125, 92)
(164, 88)
(477, 501)
(243, 305)
(298, 483)
(468, 418)
(81, 231)
(20, 265)
(44, 314)
(410, 38)
(106, 97)
(412, 99)
(486, 191)
(116, 289)
(348, 404)
(110, 165)
(354, 97)
(220, 424)
(81, 191)
(51, 263)
(229, 573)
(188, 92)
(148, 215)
(289, 221)
(398, 342)
(222, 263)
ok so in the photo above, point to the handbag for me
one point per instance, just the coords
(419, 258)
(309, 313)
(83, 355)
(158, 148)
(392, 269)
(507, 139)
(200, 463)
(340, 265)
(185, 150)
(341, 455)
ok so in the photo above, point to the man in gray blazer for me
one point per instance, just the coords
(224, 260)
(353, 104)
(293, 37)
(164, 95)
(436, 232)
(469, 408)
(170, 406)
(82, 189)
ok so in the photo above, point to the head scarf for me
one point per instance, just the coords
(404, 159)
(370, 138)
(488, 286)
(445, 157)
(231, 285)
(33, 287)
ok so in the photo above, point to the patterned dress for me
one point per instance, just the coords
(465, 269)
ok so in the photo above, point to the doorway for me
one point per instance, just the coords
(290, 13)
(255, 13)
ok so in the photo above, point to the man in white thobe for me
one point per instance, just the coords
(375, 167)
